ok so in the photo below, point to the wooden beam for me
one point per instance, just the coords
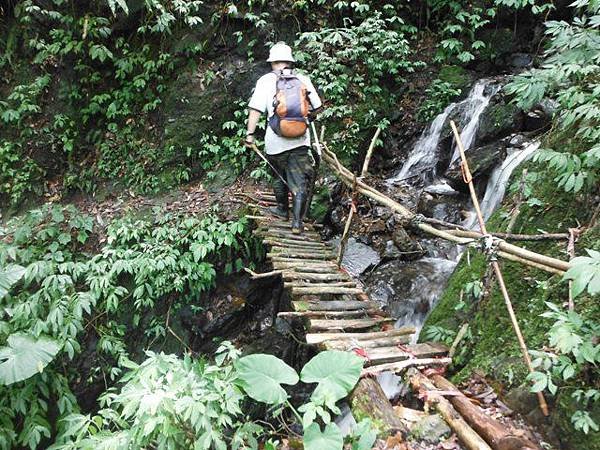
(497, 435)
(368, 400)
(401, 366)
(322, 290)
(334, 305)
(382, 355)
(349, 324)
(318, 338)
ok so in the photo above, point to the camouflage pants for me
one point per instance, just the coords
(297, 167)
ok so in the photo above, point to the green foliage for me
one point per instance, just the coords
(350, 66)
(585, 272)
(25, 356)
(573, 341)
(568, 75)
(64, 291)
(335, 373)
(262, 377)
(104, 103)
(439, 94)
(168, 402)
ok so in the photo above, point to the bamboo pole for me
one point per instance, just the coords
(496, 266)
(533, 259)
(363, 173)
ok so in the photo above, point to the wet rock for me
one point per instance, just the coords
(536, 121)
(409, 289)
(430, 429)
(481, 162)
(517, 140)
(391, 251)
(358, 257)
(499, 120)
(441, 188)
(520, 60)
(440, 207)
(407, 246)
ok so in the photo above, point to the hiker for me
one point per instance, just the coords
(288, 99)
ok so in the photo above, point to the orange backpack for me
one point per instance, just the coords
(290, 106)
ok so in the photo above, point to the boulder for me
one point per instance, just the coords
(499, 120)
(431, 429)
(482, 161)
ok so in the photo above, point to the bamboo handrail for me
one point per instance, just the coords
(505, 250)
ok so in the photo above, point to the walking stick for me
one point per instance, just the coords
(469, 180)
(263, 157)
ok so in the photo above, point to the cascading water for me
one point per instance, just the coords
(496, 186)
(410, 289)
(424, 156)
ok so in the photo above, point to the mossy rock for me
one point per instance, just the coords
(492, 348)
(457, 76)
(499, 120)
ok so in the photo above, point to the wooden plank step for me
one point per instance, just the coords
(334, 305)
(301, 283)
(297, 275)
(319, 338)
(307, 262)
(290, 243)
(346, 324)
(301, 255)
(400, 366)
(364, 313)
(324, 289)
(349, 344)
(384, 355)
(325, 268)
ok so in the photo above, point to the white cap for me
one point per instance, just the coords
(281, 52)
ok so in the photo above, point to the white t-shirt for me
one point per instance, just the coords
(262, 100)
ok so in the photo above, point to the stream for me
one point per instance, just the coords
(410, 289)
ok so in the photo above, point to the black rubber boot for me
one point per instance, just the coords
(299, 202)
(282, 208)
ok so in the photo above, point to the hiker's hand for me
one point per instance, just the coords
(249, 142)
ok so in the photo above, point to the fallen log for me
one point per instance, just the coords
(368, 401)
(496, 434)
(421, 384)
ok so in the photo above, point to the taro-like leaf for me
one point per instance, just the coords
(262, 377)
(24, 356)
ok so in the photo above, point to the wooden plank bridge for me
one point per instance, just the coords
(338, 315)
(336, 311)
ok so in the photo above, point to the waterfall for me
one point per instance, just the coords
(424, 155)
(496, 185)
(478, 100)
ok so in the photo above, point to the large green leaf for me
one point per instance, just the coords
(329, 439)
(336, 372)
(25, 356)
(262, 377)
(9, 275)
